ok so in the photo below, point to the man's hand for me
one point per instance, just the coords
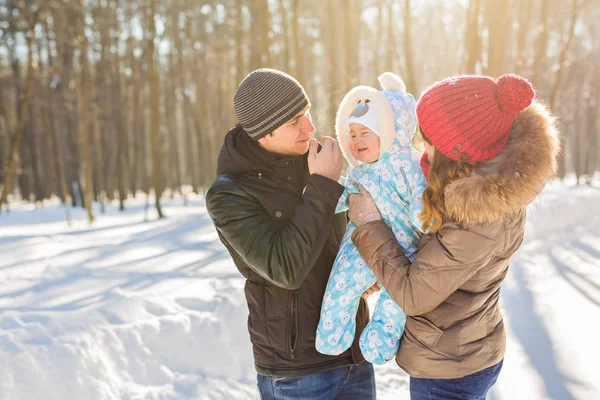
(328, 162)
(362, 208)
(371, 290)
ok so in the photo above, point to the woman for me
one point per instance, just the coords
(490, 150)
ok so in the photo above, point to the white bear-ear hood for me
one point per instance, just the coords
(386, 116)
(390, 81)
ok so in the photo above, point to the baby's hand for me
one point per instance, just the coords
(371, 290)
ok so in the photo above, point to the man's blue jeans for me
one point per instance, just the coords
(346, 383)
(470, 387)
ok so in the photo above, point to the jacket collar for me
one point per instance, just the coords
(241, 154)
(510, 181)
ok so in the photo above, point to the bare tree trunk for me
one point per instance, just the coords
(31, 147)
(592, 137)
(391, 38)
(378, 35)
(561, 64)
(54, 129)
(206, 155)
(332, 62)
(171, 114)
(191, 158)
(411, 80)
(154, 111)
(137, 122)
(98, 157)
(541, 43)
(351, 38)
(119, 110)
(98, 81)
(594, 131)
(24, 105)
(577, 149)
(472, 39)
(84, 107)
(283, 11)
(3, 139)
(239, 30)
(298, 56)
(50, 175)
(563, 53)
(64, 108)
(40, 132)
(524, 18)
(259, 32)
(212, 149)
(108, 123)
(497, 16)
(144, 150)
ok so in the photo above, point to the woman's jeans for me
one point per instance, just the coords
(356, 382)
(470, 387)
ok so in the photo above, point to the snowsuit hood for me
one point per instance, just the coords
(396, 115)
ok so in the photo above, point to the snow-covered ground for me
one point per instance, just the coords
(128, 309)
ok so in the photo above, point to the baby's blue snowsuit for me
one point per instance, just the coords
(396, 184)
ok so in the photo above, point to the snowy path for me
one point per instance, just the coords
(129, 309)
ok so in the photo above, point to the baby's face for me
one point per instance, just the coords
(364, 143)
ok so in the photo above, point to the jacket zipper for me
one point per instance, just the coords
(294, 326)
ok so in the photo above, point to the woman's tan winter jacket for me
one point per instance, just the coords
(451, 291)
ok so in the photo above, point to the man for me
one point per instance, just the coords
(273, 206)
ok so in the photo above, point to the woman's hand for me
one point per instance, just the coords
(362, 208)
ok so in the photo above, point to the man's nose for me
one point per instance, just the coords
(307, 125)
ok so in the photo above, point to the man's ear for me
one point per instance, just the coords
(264, 140)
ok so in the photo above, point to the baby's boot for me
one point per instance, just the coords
(380, 340)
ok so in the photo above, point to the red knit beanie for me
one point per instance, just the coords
(469, 117)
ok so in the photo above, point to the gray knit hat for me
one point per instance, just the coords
(266, 99)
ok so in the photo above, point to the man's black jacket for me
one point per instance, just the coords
(284, 242)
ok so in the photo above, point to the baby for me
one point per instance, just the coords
(375, 129)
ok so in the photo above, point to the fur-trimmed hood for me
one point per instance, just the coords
(396, 114)
(511, 180)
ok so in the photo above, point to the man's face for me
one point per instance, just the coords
(291, 138)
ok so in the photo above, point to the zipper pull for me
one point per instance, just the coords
(294, 330)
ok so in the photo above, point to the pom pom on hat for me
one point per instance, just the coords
(515, 93)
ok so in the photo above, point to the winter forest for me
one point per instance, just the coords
(113, 114)
(103, 99)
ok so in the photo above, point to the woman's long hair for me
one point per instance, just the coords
(442, 172)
